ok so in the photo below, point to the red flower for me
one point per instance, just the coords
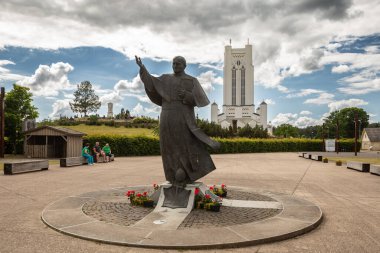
(145, 193)
(211, 188)
(196, 191)
(207, 196)
(138, 195)
(223, 185)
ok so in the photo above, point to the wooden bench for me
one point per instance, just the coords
(78, 160)
(375, 169)
(359, 166)
(72, 161)
(112, 158)
(316, 157)
(15, 167)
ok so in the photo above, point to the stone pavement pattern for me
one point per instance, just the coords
(350, 201)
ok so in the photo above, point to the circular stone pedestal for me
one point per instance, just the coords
(245, 218)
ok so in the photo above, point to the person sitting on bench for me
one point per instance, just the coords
(107, 150)
(86, 154)
(98, 151)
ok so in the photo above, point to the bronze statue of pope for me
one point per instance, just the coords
(184, 154)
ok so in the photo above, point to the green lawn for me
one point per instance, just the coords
(98, 130)
(356, 159)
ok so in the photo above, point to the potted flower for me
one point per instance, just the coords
(338, 163)
(207, 200)
(131, 196)
(147, 202)
(198, 203)
(215, 206)
(224, 190)
(219, 191)
(325, 160)
(156, 187)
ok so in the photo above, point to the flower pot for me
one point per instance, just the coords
(148, 203)
(215, 208)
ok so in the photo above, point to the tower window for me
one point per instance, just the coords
(243, 86)
(233, 86)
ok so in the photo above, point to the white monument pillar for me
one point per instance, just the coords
(110, 110)
(263, 114)
(214, 112)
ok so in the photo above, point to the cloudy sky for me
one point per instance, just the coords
(311, 57)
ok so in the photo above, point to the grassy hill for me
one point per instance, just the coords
(108, 130)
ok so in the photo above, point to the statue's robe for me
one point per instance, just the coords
(182, 143)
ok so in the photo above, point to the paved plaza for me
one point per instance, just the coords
(350, 201)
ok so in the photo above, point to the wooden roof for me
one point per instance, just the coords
(373, 134)
(61, 130)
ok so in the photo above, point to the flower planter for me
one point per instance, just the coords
(148, 203)
(215, 208)
(338, 163)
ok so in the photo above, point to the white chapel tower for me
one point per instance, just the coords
(238, 91)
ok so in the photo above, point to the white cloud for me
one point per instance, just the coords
(270, 101)
(303, 122)
(135, 86)
(48, 81)
(5, 74)
(139, 110)
(208, 79)
(353, 102)
(306, 113)
(372, 49)
(284, 118)
(304, 93)
(286, 44)
(364, 66)
(112, 97)
(340, 69)
(61, 108)
(323, 98)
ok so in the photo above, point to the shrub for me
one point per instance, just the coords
(143, 145)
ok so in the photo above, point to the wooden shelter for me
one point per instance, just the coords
(52, 142)
(371, 139)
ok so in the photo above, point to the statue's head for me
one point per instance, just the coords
(179, 64)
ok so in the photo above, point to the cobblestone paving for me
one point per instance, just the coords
(227, 216)
(240, 195)
(122, 213)
(118, 213)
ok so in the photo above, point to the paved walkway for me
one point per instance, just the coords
(350, 200)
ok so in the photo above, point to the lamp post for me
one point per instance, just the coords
(356, 133)
(323, 138)
(337, 136)
(2, 95)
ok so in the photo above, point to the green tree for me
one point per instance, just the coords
(345, 119)
(286, 130)
(85, 99)
(18, 107)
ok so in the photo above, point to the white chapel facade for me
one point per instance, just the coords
(238, 92)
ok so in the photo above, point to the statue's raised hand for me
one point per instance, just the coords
(138, 61)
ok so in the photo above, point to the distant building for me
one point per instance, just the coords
(110, 110)
(238, 92)
(371, 139)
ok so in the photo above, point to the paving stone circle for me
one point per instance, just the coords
(107, 216)
(122, 213)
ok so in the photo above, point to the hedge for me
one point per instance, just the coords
(142, 145)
